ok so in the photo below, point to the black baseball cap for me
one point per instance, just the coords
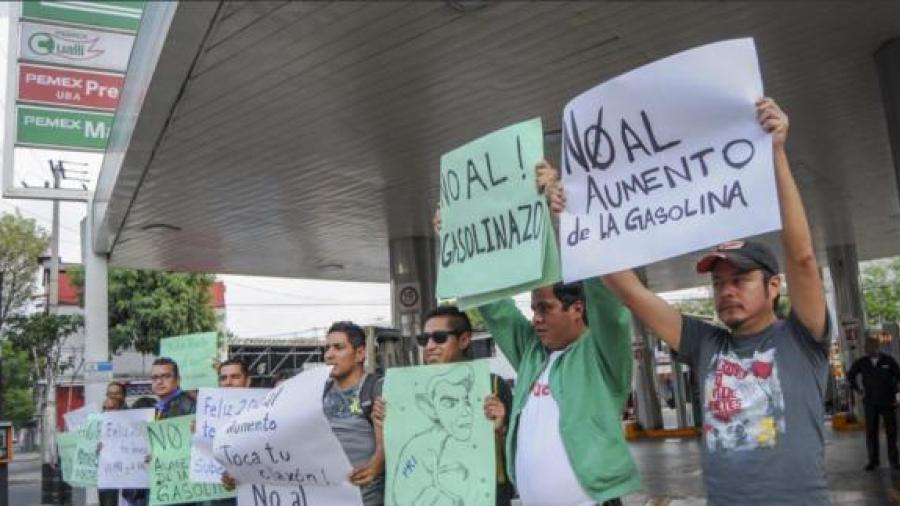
(745, 255)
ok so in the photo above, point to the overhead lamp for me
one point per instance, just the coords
(160, 226)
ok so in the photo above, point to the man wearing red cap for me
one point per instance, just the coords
(763, 379)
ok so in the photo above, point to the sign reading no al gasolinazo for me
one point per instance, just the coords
(47, 126)
(71, 88)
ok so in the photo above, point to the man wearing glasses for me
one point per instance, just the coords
(446, 339)
(165, 385)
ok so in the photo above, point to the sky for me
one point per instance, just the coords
(255, 306)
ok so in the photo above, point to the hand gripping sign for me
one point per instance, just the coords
(665, 160)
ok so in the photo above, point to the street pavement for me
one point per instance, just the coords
(670, 471)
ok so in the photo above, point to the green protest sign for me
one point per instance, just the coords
(552, 274)
(112, 14)
(439, 445)
(493, 226)
(65, 444)
(170, 451)
(65, 128)
(195, 355)
(84, 462)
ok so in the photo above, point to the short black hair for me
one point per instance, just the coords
(235, 361)
(167, 361)
(120, 385)
(459, 320)
(570, 293)
(355, 333)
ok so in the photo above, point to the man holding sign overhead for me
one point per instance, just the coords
(565, 445)
(764, 378)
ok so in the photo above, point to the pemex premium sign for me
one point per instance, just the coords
(74, 46)
(110, 14)
(69, 87)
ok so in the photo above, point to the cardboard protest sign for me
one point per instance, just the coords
(664, 160)
(494, 224)
(124, 449)
(65, 445)
(439, 445)
(170, 451)
(287, 440)
(76, 418)
(195, 355)
(297, 495)
(84, 466)
(215, 406)
(552, 274)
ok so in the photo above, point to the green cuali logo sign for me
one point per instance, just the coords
(64, 45)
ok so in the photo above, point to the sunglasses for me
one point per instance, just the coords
(439, 337)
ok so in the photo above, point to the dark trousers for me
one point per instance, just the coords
(889, 414)
(108, 497)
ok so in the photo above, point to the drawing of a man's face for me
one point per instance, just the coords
(453, 409)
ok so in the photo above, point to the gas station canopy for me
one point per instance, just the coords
(297, 138)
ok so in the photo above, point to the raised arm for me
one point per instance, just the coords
(800, 268)
(662, 319)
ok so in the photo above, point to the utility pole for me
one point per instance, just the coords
(4, 468)
(49, 470)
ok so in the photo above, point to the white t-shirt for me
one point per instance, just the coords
(544, 476)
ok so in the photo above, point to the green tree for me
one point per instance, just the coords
(146, 306)
(22, 242)
(705, 307)
(41, 337)
(18, 403)
(881, 290)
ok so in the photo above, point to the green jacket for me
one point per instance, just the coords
(590, 381)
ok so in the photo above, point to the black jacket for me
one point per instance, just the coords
(879, 380)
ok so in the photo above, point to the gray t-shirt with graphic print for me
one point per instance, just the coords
(763, 412)
(355, 432)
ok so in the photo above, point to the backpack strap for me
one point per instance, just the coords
(367, 395)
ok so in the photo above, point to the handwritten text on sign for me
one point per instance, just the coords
(665, 160)
(84, 467)
(296, 495)
(195, 355)
(286, 441)
(217, 406)
(170, 449)
(492, 218)
(122, 460)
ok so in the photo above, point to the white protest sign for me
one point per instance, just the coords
(76, 418)
(215, 405)
(122, 461)
(275, 495)
(665, 160)
(287, 440)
